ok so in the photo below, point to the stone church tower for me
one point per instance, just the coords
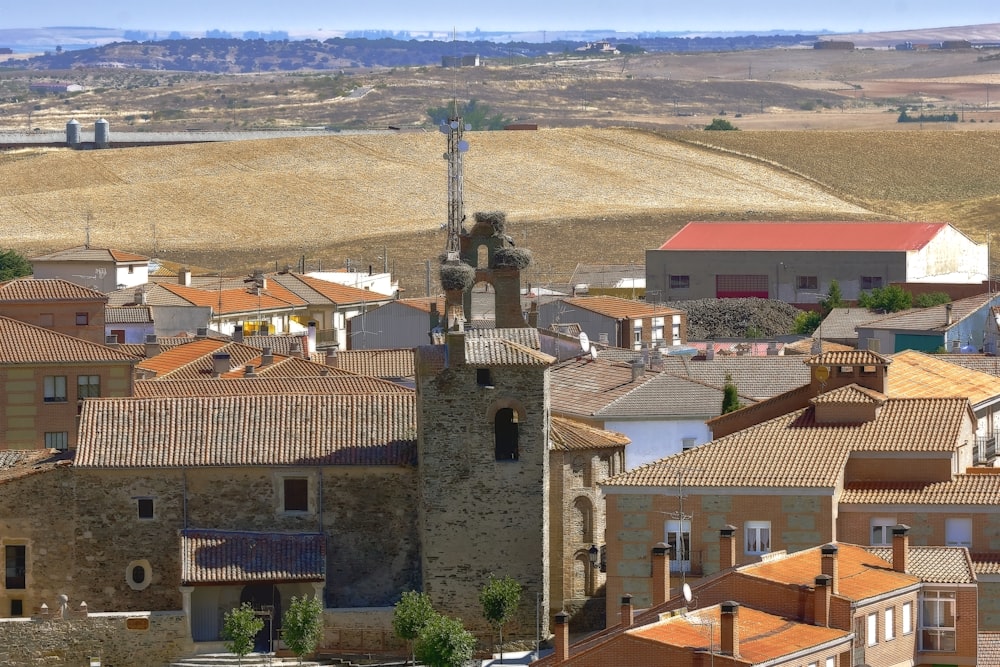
(483, 447)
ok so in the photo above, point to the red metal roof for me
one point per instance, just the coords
(849, 236)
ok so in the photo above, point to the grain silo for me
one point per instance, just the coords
(102, 136)
(73, 133)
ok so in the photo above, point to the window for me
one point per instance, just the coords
(57, 440)
(637, 331)
(144, 508)
(680, 282)
(958, 532)
(55, 388)
(88, 386)
(119, 335)
(483, 377)
(15, 566)
(505, 435)
(890, 623)
(131, 269)
(757, 537)
(678, 536)
(881, 530)
(82, 319)
(296, 494)
(907, 618)
(139, 575)
(871, 282)
(806, 282)
(937, 621)
(830, 662)
(17, 607)
(871, 635)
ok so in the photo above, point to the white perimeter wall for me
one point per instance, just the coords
(653, 440)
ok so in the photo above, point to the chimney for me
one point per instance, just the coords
(638, 369)
(772, 348)
(562, 637)
(140, 296)
(900, 547)
(727, 547)
(829, 565)
(266, 356)
(602, 338)
(626, 616)
(220, 363)
(184, 276)
(730, 631)
(238, 333)
(331, 356)
(710, 351)
(947, 314)
(821, 600)
(152, 347)
(455, 341)
(956, 346)
(311, 340)
(248, 371)
(661, 573)
(201, 333)
(111, 341)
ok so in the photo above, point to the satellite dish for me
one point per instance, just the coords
(822, 373)
(584, 341)
(593, 352)
(686, 591)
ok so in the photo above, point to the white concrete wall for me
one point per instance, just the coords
(655, 439)
(950, 257)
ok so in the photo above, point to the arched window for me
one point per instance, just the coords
(583, 518)
(505, 435)
(578, 467)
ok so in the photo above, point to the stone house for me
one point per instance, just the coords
(796, 261)
(55, 304)
(617, 322)
(837, 605)
(45, 378)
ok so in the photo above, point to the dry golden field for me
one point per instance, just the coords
(608, 194)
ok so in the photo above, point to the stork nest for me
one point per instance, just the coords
(512, 258)
(457, 276)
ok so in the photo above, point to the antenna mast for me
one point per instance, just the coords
(456, 205)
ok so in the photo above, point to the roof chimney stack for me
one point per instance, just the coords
(661, 573)
(311, 340)
(220, 363)
(947, 314)
(238, 333)
(638, 369)
(184, 276)
(727, 547)
(821, 600)
(730, 631)
(626, 615)
(248, 371)
(201, 333)
(561, 637)
(266, 356)
(152, 346)
(900, 547)
(331, 356)
(829, 565)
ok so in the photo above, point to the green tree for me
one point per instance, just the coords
(931, 299)
(730, 397)
(720, 124)
(444, 642)
(889, 299)
(833, 298)
(239, 627)
(13, 265)
(409, 617)
(478, 116)
(807, 322)
(302, 625)
(499, 599)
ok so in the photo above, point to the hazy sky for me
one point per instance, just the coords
(501, 15)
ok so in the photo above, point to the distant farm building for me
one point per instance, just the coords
(602, 46)
(461, 61)
(833, 44)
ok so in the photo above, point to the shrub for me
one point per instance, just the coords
(239, 627)
(411, 614)
(444, 642)
(302, 625)
(720, 124)
(931, 299)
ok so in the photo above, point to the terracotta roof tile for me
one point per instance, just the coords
(794, 450)
(915, 374)
(861, 573)
(179, 356)
(232, 301)
(48, 289)
(571, 435)
(817, 236)
(852, 393)
(396, 363)
(128, 315)
(618, 308)
(344, 383)
(289, 367)
(842, 323)
(805, 345)
(256, 430)
(763, 637)
(485, 351)
(988, 649)
(984, 363)
(88, 254)
(17, 463)
(986, 563)
(234, 557)
(423, 304)
(934, 318)
(848, 358)
(977, 489)
(22, 343)
(937, 565)
(331, 291)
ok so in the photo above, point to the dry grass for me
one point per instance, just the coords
(285, 197)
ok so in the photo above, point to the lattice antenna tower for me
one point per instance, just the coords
(453, 128)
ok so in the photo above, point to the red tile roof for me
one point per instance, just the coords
(343, 383)
(226, 302)
(571, 435)
(237, 557)
(808, 236)
(85, 253)
(50, 289)
(618, 308)
(22, 343)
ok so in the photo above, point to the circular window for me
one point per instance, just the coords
(138, 574)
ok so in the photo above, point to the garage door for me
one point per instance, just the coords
(738, 285)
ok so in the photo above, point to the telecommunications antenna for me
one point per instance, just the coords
(686, 590)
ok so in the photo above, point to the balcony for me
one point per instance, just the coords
(986, 450)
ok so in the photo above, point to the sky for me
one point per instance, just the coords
(502, 15)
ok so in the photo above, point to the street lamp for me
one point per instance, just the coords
(593, 552)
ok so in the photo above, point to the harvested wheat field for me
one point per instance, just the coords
(608, 193)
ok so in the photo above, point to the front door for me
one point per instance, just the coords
(266, 601)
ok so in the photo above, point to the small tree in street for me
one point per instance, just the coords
(302, 625)
(444, 642)
(730, 396)
(411, 614)
(239, 627)
(13, 265)
(499, 599)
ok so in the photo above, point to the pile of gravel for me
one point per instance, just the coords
(736, 318)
